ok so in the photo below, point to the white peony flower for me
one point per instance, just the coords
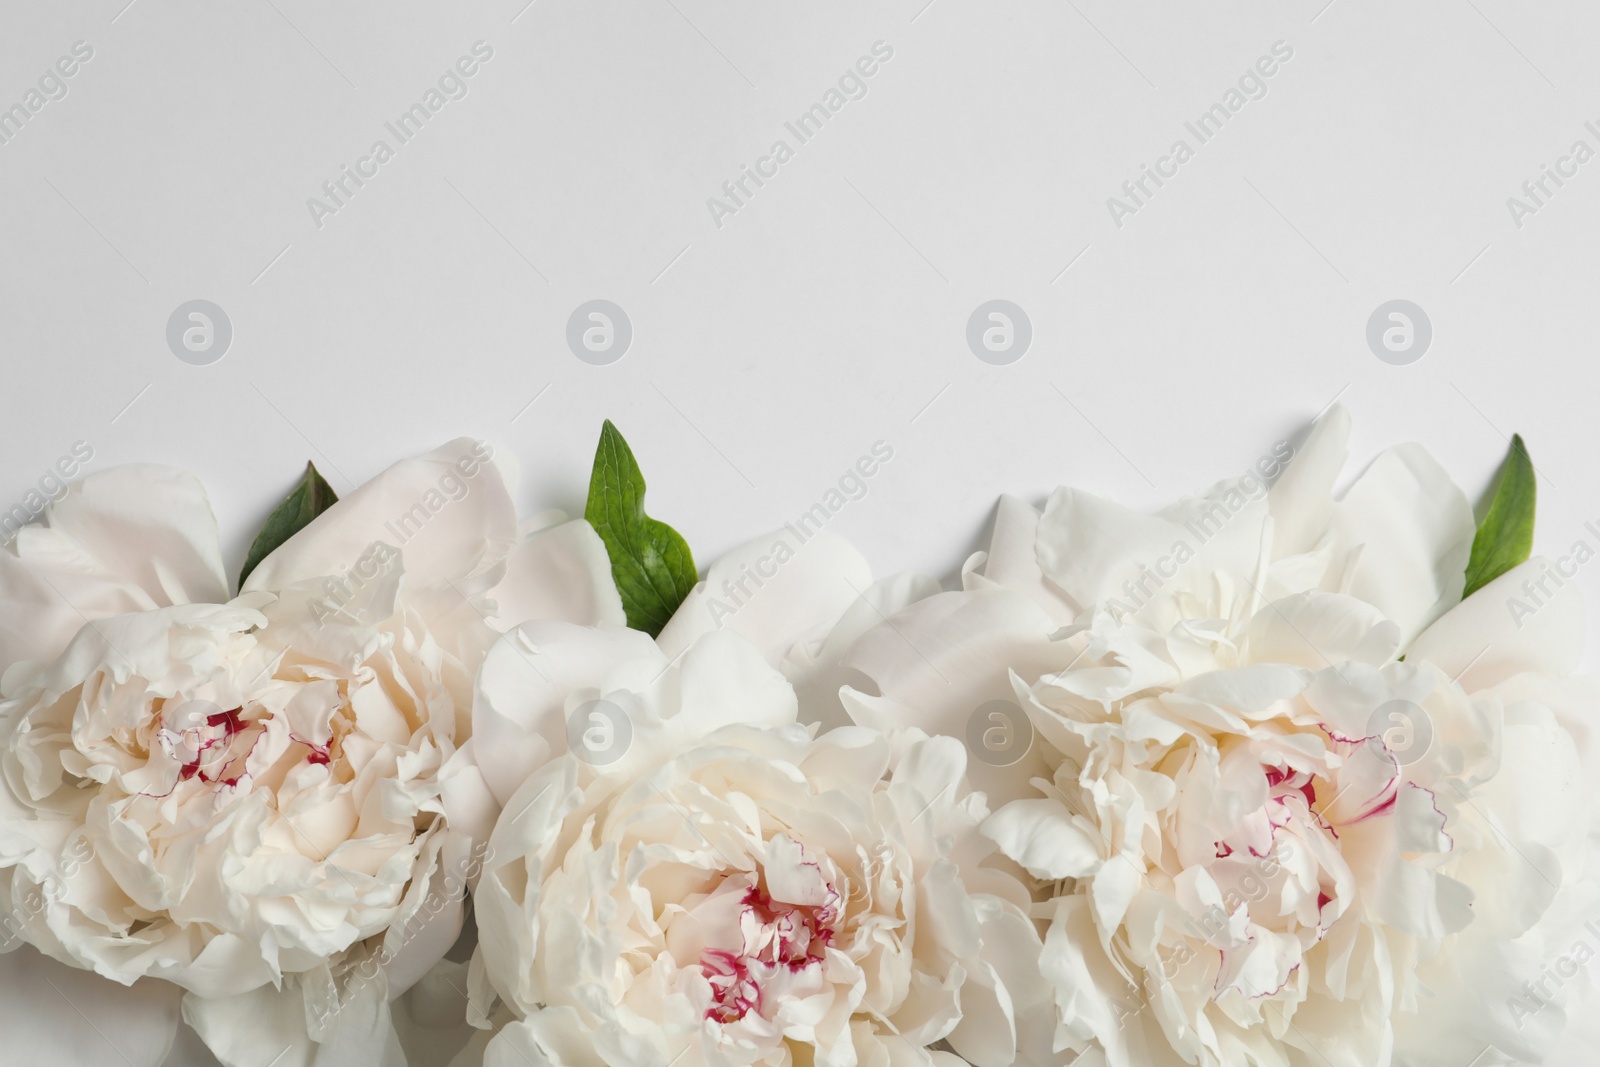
(242, 797)
(1289, 799)
(695, 878)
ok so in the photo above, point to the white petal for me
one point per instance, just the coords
(431, 1018)
(1503, 630)
(1408, 531)
(1012, 561)
(1096, 550)
(1088, 544)
(723, 680)
(1420, 901)
(448, 523)
(54, 1014)
(519, 711)
(941, 660)
(774, 590)
(559, 573)
(551, 1038)
(431, 914)
(1251, 690)
(1419, 825)
(469, 804)
(1114, 887)
(122, 540)
(1317, 630)
(1045, 838)
(1301, 501)
(817, 668)
(153, 525)
(267, 1028)
(1086, 985)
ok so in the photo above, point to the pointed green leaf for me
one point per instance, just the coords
(310, 497)
(1505, 537)
(650, 561)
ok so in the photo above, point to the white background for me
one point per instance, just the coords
(830, 311)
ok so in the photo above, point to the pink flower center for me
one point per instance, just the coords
(207, 749)
(1284, 782)
(735, 991)
(778, 936)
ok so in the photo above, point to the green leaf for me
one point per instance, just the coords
(1505, 537)
(650, 561)
(309, 498)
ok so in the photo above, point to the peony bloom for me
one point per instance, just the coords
(1289, 799)
(242, 796)
(694, 878)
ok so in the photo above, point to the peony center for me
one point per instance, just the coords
(778, 938)
(211, 747)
